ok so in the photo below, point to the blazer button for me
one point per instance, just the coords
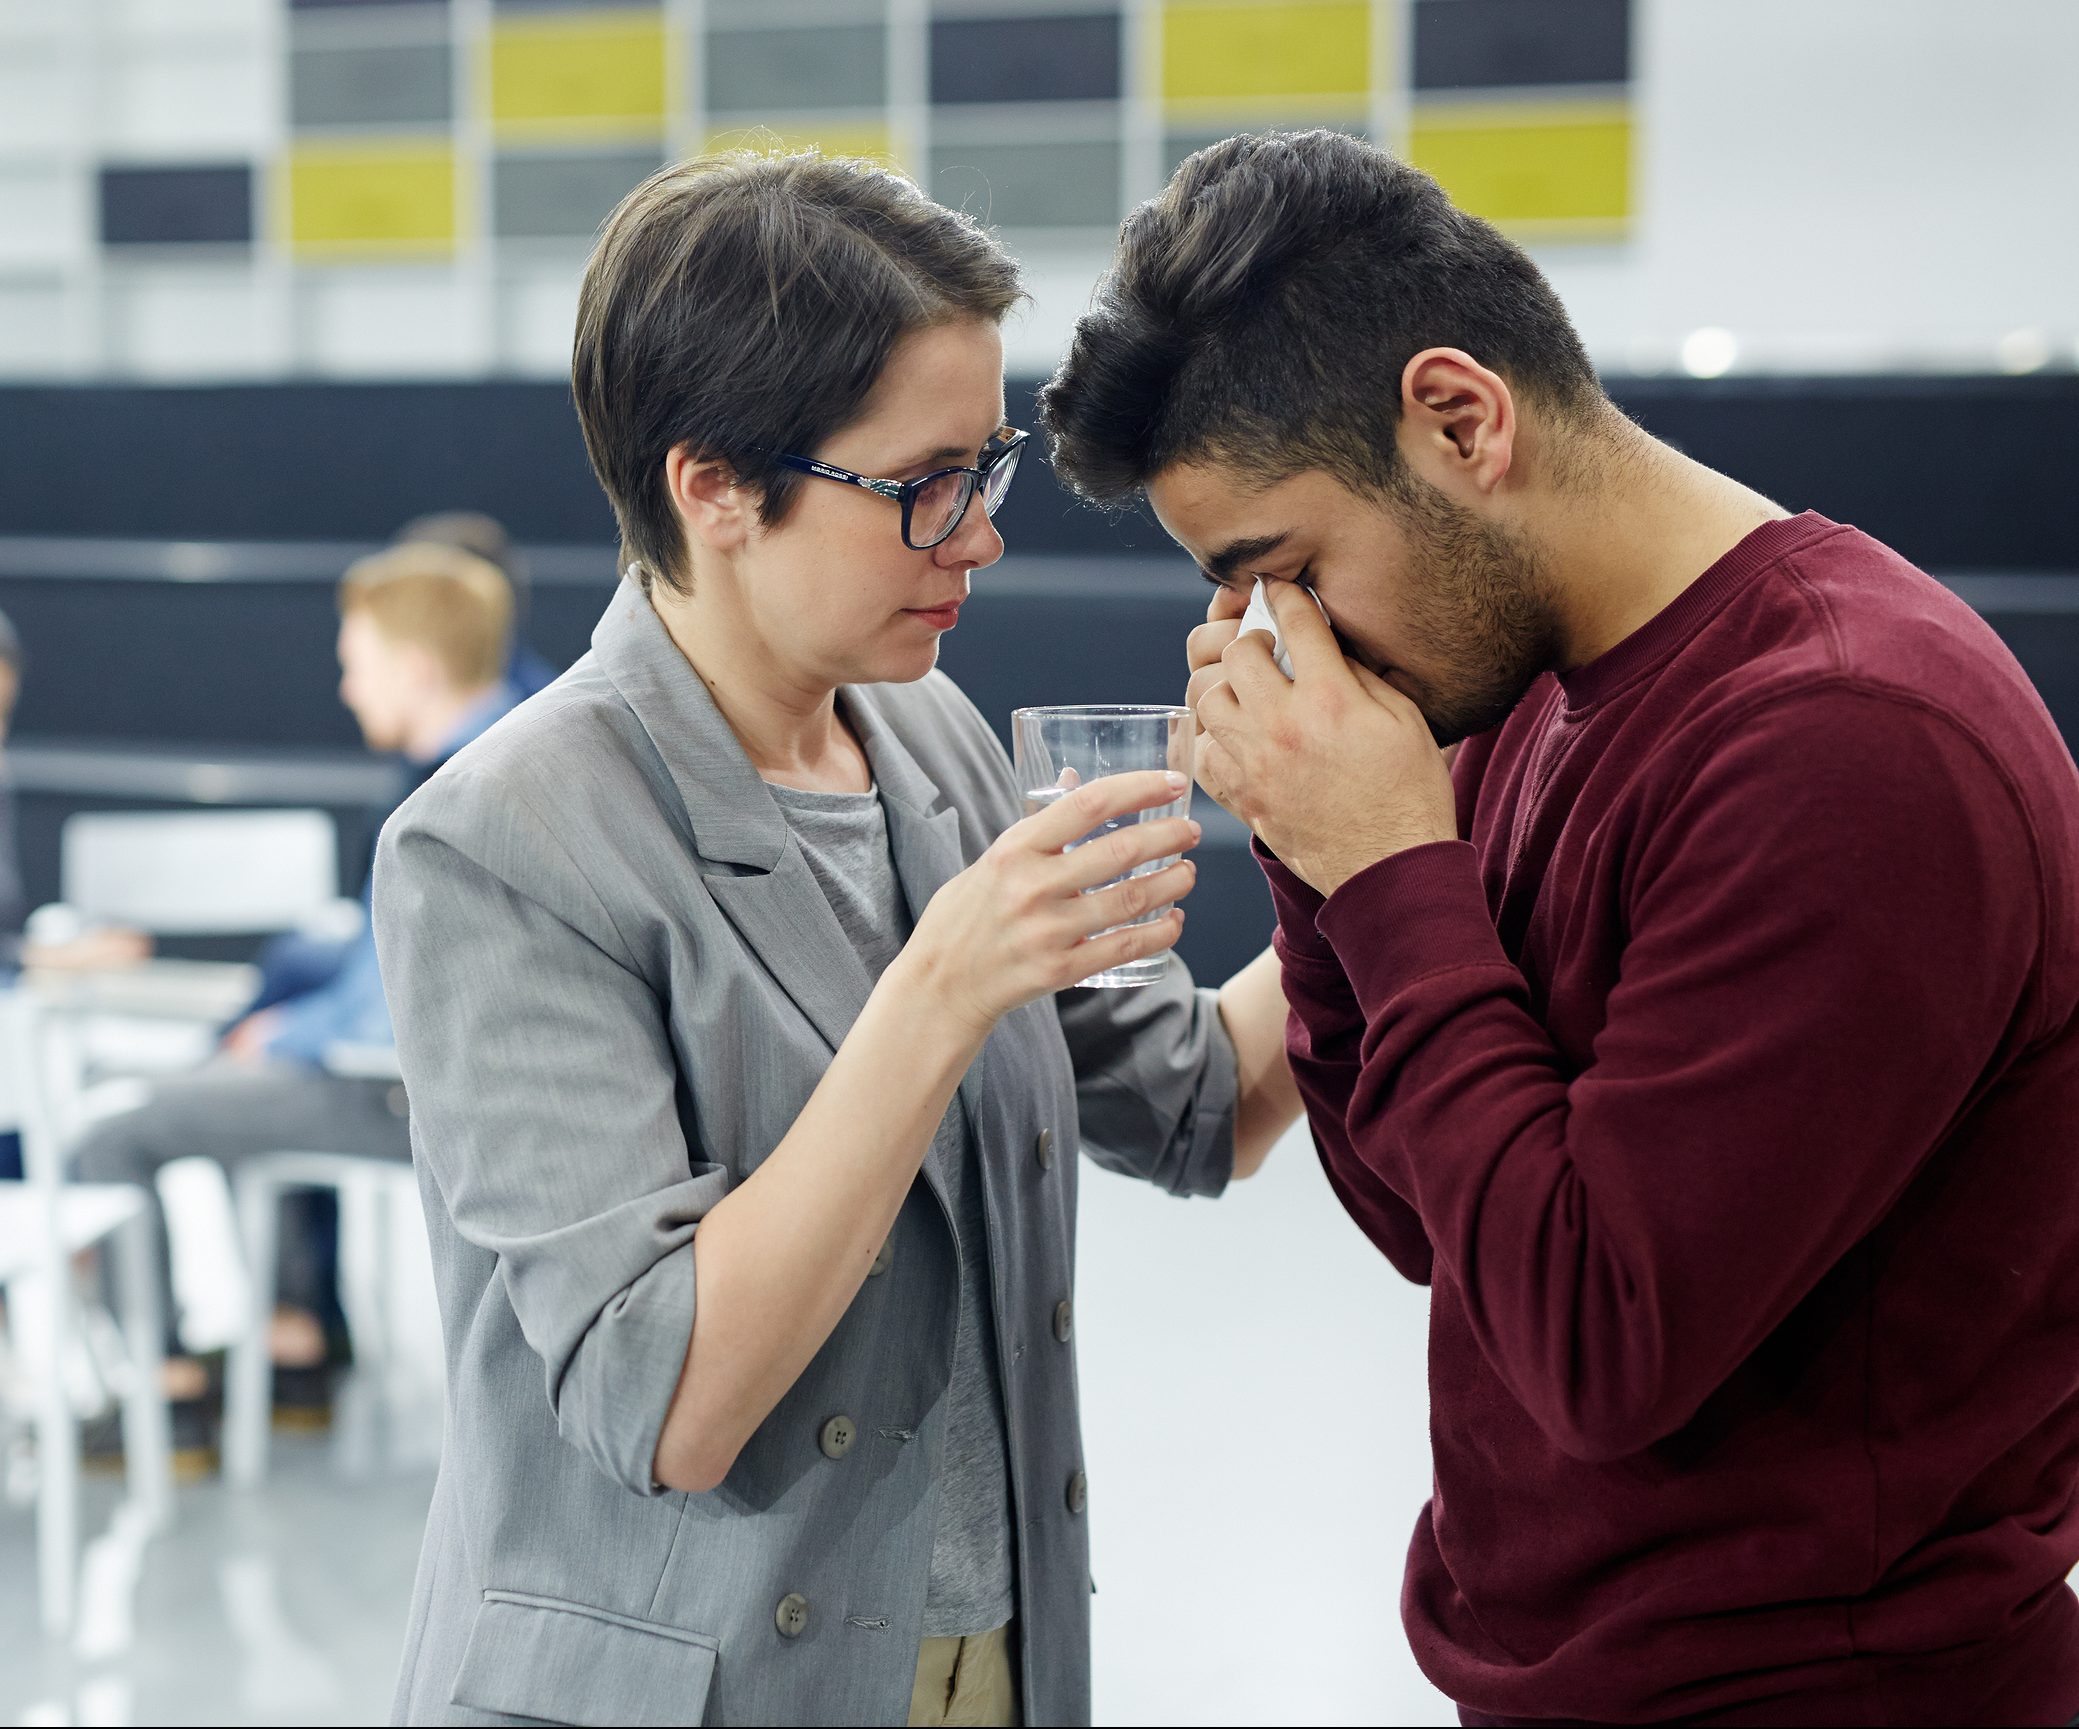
(791, 1617)
(837, 1438)
(885, 1259)
(1043, 1149)
(1078, 1492)
(1064, 1319)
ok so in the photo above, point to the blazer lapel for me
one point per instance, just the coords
(923, 834)
(744, 850)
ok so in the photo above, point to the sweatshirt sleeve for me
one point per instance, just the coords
(1832, 920)
(1324, 1032)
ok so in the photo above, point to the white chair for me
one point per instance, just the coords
(378, 1214)
(44, 1223)
(210, 872)
(223, 872)
(195, 873)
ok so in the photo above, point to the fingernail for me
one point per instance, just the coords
(1177, 782)
(1197, 832)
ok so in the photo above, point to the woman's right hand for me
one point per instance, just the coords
(1017, 924)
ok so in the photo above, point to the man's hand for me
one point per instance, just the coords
(1334, 770)
(1203, 649)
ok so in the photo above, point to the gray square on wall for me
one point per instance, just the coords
(370, 86)
(1493, 44)
(778, 71)
(1057, 57)
(208, 204)
(544, 195)
(1055, 185)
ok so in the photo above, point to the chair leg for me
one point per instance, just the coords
(43, 1304)
(248, 1384)
(356, 1440)
(147, 1426)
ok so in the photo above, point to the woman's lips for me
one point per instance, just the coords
(938, 617)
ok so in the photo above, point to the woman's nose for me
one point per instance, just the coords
(975, 543)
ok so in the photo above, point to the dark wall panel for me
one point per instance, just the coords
(1957, 473)
(177, 206)
(1053, 57)
(1483, 44)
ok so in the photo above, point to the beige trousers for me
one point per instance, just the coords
(966, 1683)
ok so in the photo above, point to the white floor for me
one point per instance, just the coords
(1253, 1394)
(1256, 1417)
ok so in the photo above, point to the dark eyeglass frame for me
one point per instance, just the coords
(1003, 448)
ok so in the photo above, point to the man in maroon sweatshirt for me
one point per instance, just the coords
(1703, 1035)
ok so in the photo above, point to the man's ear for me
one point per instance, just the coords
(718, 511)
(1457, 423)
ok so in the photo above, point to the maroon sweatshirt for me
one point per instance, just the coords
(1723, 1084)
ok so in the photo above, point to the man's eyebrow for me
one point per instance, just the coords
(1221, 567)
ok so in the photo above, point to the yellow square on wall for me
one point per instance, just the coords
(369, 196)
(1262, 52)
(1538, 167)
(599, 73)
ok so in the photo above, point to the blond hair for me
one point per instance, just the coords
(450, 602)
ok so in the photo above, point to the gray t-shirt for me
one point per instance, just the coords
(844, 838)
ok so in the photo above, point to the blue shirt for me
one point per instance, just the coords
(347, 1006)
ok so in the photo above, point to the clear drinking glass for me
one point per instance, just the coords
(1056, 750)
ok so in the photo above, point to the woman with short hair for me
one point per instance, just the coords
(732, 995)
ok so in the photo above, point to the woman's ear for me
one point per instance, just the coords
(1457, 422)
(719, 511)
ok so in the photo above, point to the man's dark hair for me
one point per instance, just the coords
(1261, 310)
(744, 305)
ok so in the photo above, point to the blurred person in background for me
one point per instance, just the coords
(527, 669)
(1706, 1036)
(107, 946)
(424, 635)
(746, 1111)
(299, 961)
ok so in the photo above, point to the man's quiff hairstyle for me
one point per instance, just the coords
(744, 305)
(1261, 311)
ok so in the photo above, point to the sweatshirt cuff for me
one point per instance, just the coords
(1298, 908)
(1419, 912)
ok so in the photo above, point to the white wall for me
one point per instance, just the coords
(1842, 184)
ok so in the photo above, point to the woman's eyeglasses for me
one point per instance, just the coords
(935, 504)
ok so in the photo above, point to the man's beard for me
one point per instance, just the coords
(1480, 615)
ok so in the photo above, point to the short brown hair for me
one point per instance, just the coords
(744, 305)
(451, 602)
(1262, 310)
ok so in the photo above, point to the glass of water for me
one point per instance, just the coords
(1056, 750)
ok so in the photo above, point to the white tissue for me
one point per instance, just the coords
(1260, 617)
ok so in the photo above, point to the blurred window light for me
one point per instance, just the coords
(2025, 350)
(1709, 352)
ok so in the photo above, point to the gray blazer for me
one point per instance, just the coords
(616, 984)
